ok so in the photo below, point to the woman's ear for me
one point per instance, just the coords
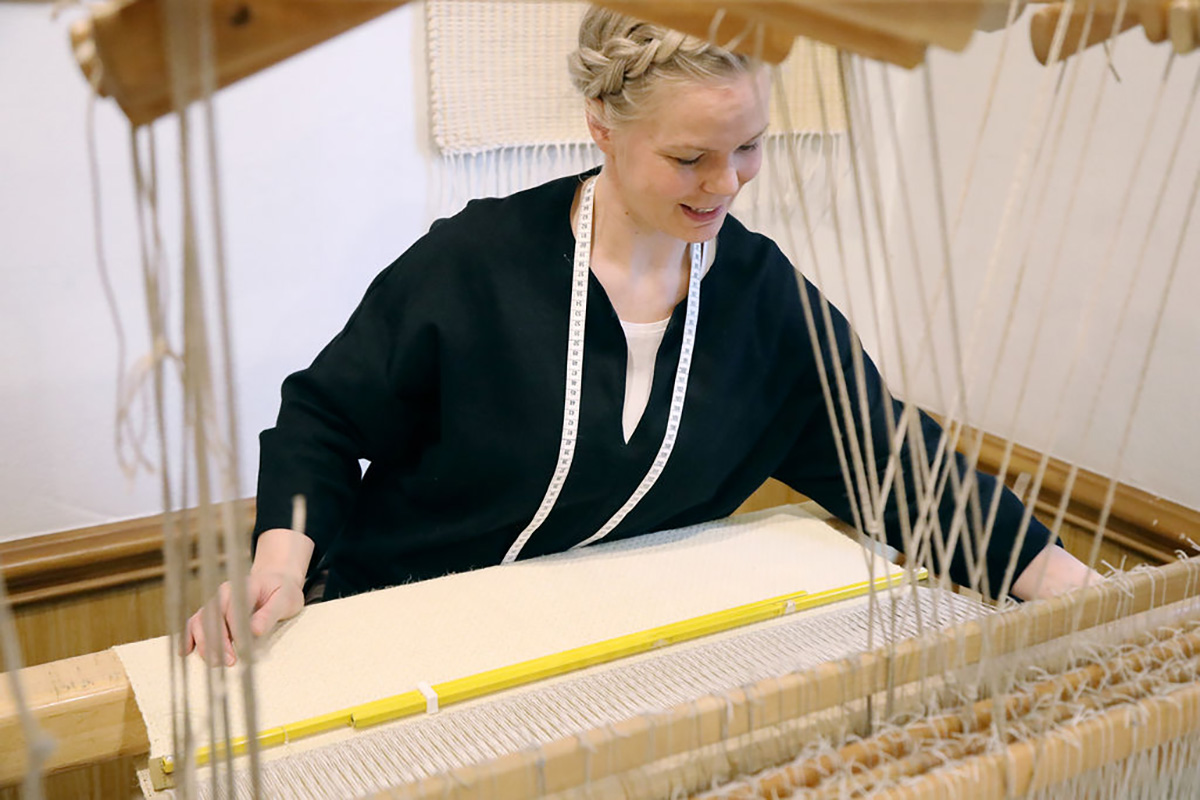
(597, 127)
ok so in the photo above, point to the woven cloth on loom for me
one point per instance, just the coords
(498, 77)
(340, 654)
(476, 732)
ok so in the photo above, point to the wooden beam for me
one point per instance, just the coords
(85, 703)
(80, 561)
(949, 25)
(121, 46)
(1159, 523)
(766, 28)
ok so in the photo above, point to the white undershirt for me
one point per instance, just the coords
(643, 340)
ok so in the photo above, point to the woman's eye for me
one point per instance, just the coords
(688, 162)
(747, 148)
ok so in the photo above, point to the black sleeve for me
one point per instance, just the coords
(368, 395)
(813, 466)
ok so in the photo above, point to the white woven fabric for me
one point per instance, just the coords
(339, 654)
(498, 77)
(378, 760)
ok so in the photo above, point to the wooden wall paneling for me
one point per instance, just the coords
(107, 780)
(88, 622)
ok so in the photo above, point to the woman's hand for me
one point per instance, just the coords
(274, 590)
(1052, 572)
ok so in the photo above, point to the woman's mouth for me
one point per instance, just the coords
(701, 214)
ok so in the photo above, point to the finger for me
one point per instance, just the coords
(189, 639)
(254, 598)
(225, 625)
(196, 629)
(269, 614)
(227, 631)
(212, 634)
(225, 598)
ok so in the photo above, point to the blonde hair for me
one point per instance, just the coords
(621, 60)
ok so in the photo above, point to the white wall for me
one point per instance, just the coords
(1165, 436)
(324, 183)
(325, 179)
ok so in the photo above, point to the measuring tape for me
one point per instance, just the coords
(578, 318)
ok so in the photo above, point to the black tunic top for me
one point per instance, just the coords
(449, 378)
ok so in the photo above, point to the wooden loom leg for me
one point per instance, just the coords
(85, 703)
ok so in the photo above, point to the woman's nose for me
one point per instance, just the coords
(722, 180)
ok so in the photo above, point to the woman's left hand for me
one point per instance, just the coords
(1052, 572)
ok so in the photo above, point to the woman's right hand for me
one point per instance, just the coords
(274, 590)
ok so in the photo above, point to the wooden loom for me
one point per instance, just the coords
(87, 704)
(689, 731)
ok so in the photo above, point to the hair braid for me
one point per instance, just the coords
(621, 59)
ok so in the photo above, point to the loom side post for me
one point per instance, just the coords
(86, 703)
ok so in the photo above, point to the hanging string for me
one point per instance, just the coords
(1093, 301)
(1164, 297)
(965, 491)
(1056, 263)
(1039, 213)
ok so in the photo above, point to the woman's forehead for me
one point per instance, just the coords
(710, 114)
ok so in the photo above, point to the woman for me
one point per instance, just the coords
(450, 378)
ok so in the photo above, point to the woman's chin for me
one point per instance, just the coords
(695, 232)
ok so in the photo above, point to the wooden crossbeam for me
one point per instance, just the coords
(121, 45)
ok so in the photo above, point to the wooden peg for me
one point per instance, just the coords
(1182, 19)
(1045, 22)
(1153, 16)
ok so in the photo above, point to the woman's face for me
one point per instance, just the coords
(678, 167)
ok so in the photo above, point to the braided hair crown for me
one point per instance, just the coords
(621, 59)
